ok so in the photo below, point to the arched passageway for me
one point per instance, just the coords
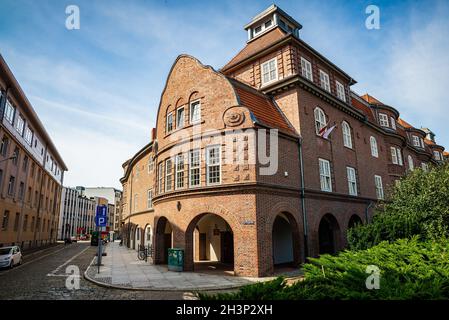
(148, 236)
(354, 221)
(163, 241)
(328, 233)
(209, 244)
(282, 237)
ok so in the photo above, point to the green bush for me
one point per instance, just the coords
(409, 269)
(418, 205)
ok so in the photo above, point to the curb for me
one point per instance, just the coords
(193, 290)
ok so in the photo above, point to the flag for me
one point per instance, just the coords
(325, 131)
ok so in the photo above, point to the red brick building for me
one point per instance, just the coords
(201, 184)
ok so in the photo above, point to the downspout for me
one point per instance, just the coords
(366, 211)
(303, 200)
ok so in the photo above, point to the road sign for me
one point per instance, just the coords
(101, 219)
(102, 211)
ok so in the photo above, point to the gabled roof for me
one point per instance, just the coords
(359, 105)
(257, 45)
(262, 107)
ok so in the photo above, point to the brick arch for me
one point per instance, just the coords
(180, 102)
(278, 208)
(351, 218)
(337, 230)
(194, 95)
(188, 253)
(158, 238)
(144, 232)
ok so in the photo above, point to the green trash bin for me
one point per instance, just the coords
(175, 259)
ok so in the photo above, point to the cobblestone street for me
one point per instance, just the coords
(43, 277)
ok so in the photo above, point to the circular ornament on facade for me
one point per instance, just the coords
(233, 117)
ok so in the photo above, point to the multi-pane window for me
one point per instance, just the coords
(411, 165)
(179, 171)
(5, 220)
(379, 187)
(373, 144)
(160, 176)
(194, 168)
(28, 135)
(347, 139)
(9, 112)
(306, 69)
(393, 123)
(150, 199)
(415, 141)
(320, 120)
(324, 80)
(20, 125)
(195, 112)
(399, 154)
(340, 91)
(269, 71)
(169, 122)
(168, 174)
(394, 157)
(150, 164)
(352, 181)
(383, 120)
(213, 165)
(180, 118)
(11, 185)
(325, 175)
(437, 156)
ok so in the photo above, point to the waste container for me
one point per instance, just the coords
(175, 259)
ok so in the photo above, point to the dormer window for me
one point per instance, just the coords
(393, 123)
(383, 120)
(268, 24)
(437, 155)
(415, 141)
(258, 30)
(269, 71)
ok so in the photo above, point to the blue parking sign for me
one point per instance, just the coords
(101, 219)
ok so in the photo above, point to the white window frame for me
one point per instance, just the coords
(149, 199)
(194, 167)
(28, 136)
(169, 122)
(424, 166)
(436, 155)
(269, 71)
(179, 173)
(180, 125)
(325, 175)
(324, 81)
(379, 187)
(340, 91)
(168, 175)
(209, 165)
(393, 123)
(160, 177)
(10, 112)
(383, 120)
(320, 119)
(306, 69)
(347, 137)
(20, 124)
(394, 157)
(399, 154)
(352, 181)
(374, 149)
(191, 120)
(422, 142)
(150, 164)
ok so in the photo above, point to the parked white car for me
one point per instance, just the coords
(10, 256)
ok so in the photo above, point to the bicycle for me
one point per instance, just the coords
(145, 252)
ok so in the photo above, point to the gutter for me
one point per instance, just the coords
(303, 200)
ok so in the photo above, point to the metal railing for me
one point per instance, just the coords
(145, 252)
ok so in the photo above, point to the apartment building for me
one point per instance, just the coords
(31, 170)
(201, 184)
(114, 197)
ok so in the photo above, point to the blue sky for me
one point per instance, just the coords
(97, 89)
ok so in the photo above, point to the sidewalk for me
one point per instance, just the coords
(121, 269)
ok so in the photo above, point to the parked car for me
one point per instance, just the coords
(10, 256)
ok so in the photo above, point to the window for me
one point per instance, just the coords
(194, 168)
(11, 185)
(20, 125)
(16, 221)
(25, 163)
(324, 80)
(373, 143)
(180, 118)
(5, 220)
(399, 154)
(340, 91)
(320, 120)
(21, 190)
(352, 182)
(16, 153)
(437, 156)
(393, 123)
(394, 157)
(150, 199)
(25, 223)
(267, 24)
(213, 165)
(383, 120)
(168, 175)
(411, 165)
(379, 187)
(347, 139)
(325, 175)
(169, 122)
(258, 30)
(306, 69)
(4, 146)
(415, 141)
(195, 112)
(424, 166)
(179, 171)
(9, 112)
(422, 142)
(160, 173)
(150, 164)
(269, 71)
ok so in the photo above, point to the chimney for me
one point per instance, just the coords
(153, 134)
